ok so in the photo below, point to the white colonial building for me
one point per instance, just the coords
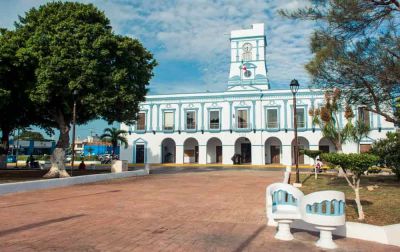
(248, 118)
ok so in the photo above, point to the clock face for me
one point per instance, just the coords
(247, 73)
(247, 47)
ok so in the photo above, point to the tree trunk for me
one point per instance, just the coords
(358, 201)
(5, 147)
(315, 170)
(338, 147)
(5, 139)
(57, 158)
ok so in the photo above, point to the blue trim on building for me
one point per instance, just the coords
(173, 110)
(196, 111)
(141, 141)
(285, 103)
(266, 108)
(219, 109)
(305, 108)
(158, 117)
(202, 116)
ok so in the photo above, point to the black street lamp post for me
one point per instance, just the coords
(17, 150)
(74, 94)
(294, 87)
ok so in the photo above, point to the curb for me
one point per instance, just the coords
(63, 182)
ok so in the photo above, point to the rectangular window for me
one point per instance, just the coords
(363, 116)
(214, 119)
(168, 120)
(301, 119)
(141, 122)
(272, 118)
(191, 120)
(242, 119)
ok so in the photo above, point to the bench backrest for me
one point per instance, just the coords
(324, 208)
(281, 194)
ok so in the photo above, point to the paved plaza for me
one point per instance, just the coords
(171, 210)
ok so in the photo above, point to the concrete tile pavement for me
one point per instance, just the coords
(217, 210)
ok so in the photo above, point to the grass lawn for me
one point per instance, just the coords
(381, 206)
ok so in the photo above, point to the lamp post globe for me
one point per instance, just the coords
(294, 86)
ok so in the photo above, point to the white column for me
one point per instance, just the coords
(158, 117)
(202, 154)
(256, 154)
(179, 154)
(286, 155)
(227, 153)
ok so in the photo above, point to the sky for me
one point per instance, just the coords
(190, 40)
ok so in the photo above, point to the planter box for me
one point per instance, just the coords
(119, 166)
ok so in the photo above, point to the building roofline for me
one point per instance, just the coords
(220, 94)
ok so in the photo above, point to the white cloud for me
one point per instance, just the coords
(198, 31)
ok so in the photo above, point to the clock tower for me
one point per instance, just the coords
(248, 69)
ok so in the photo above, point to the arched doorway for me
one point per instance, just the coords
(303, 145)
(168, 151)
(214, 150)
(191, 151)
(273, 148)
(326, 145)
(243, 148)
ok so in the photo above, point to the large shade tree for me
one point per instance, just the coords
(75, 51)
(16, 75)
(356, 48)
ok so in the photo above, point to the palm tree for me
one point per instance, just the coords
(327, 117)
(115, 136)
(360, 130)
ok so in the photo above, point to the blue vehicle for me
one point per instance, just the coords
(11, 159)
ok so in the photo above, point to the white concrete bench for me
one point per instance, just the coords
(325, 210)
(283, 203)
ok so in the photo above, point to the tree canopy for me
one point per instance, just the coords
(388, 150)
(16, 76)
(76, 57)
(358, 164)
(30, 135)
(356, 48)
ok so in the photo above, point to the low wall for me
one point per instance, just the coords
(382, 234)
(62, 182)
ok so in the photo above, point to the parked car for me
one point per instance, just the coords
(11, 159)
(68, 158)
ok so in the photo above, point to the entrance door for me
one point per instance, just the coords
(218, 153)
(139, 154)
(275, 154)
(246, 152)
(196, 154)
(301, 156)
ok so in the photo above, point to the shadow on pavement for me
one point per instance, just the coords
(38, 224)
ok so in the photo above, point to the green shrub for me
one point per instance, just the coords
(358, 164)
(311, 153)
(388, 149)
(374, 169)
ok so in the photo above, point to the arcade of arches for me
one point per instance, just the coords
(214, 149)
